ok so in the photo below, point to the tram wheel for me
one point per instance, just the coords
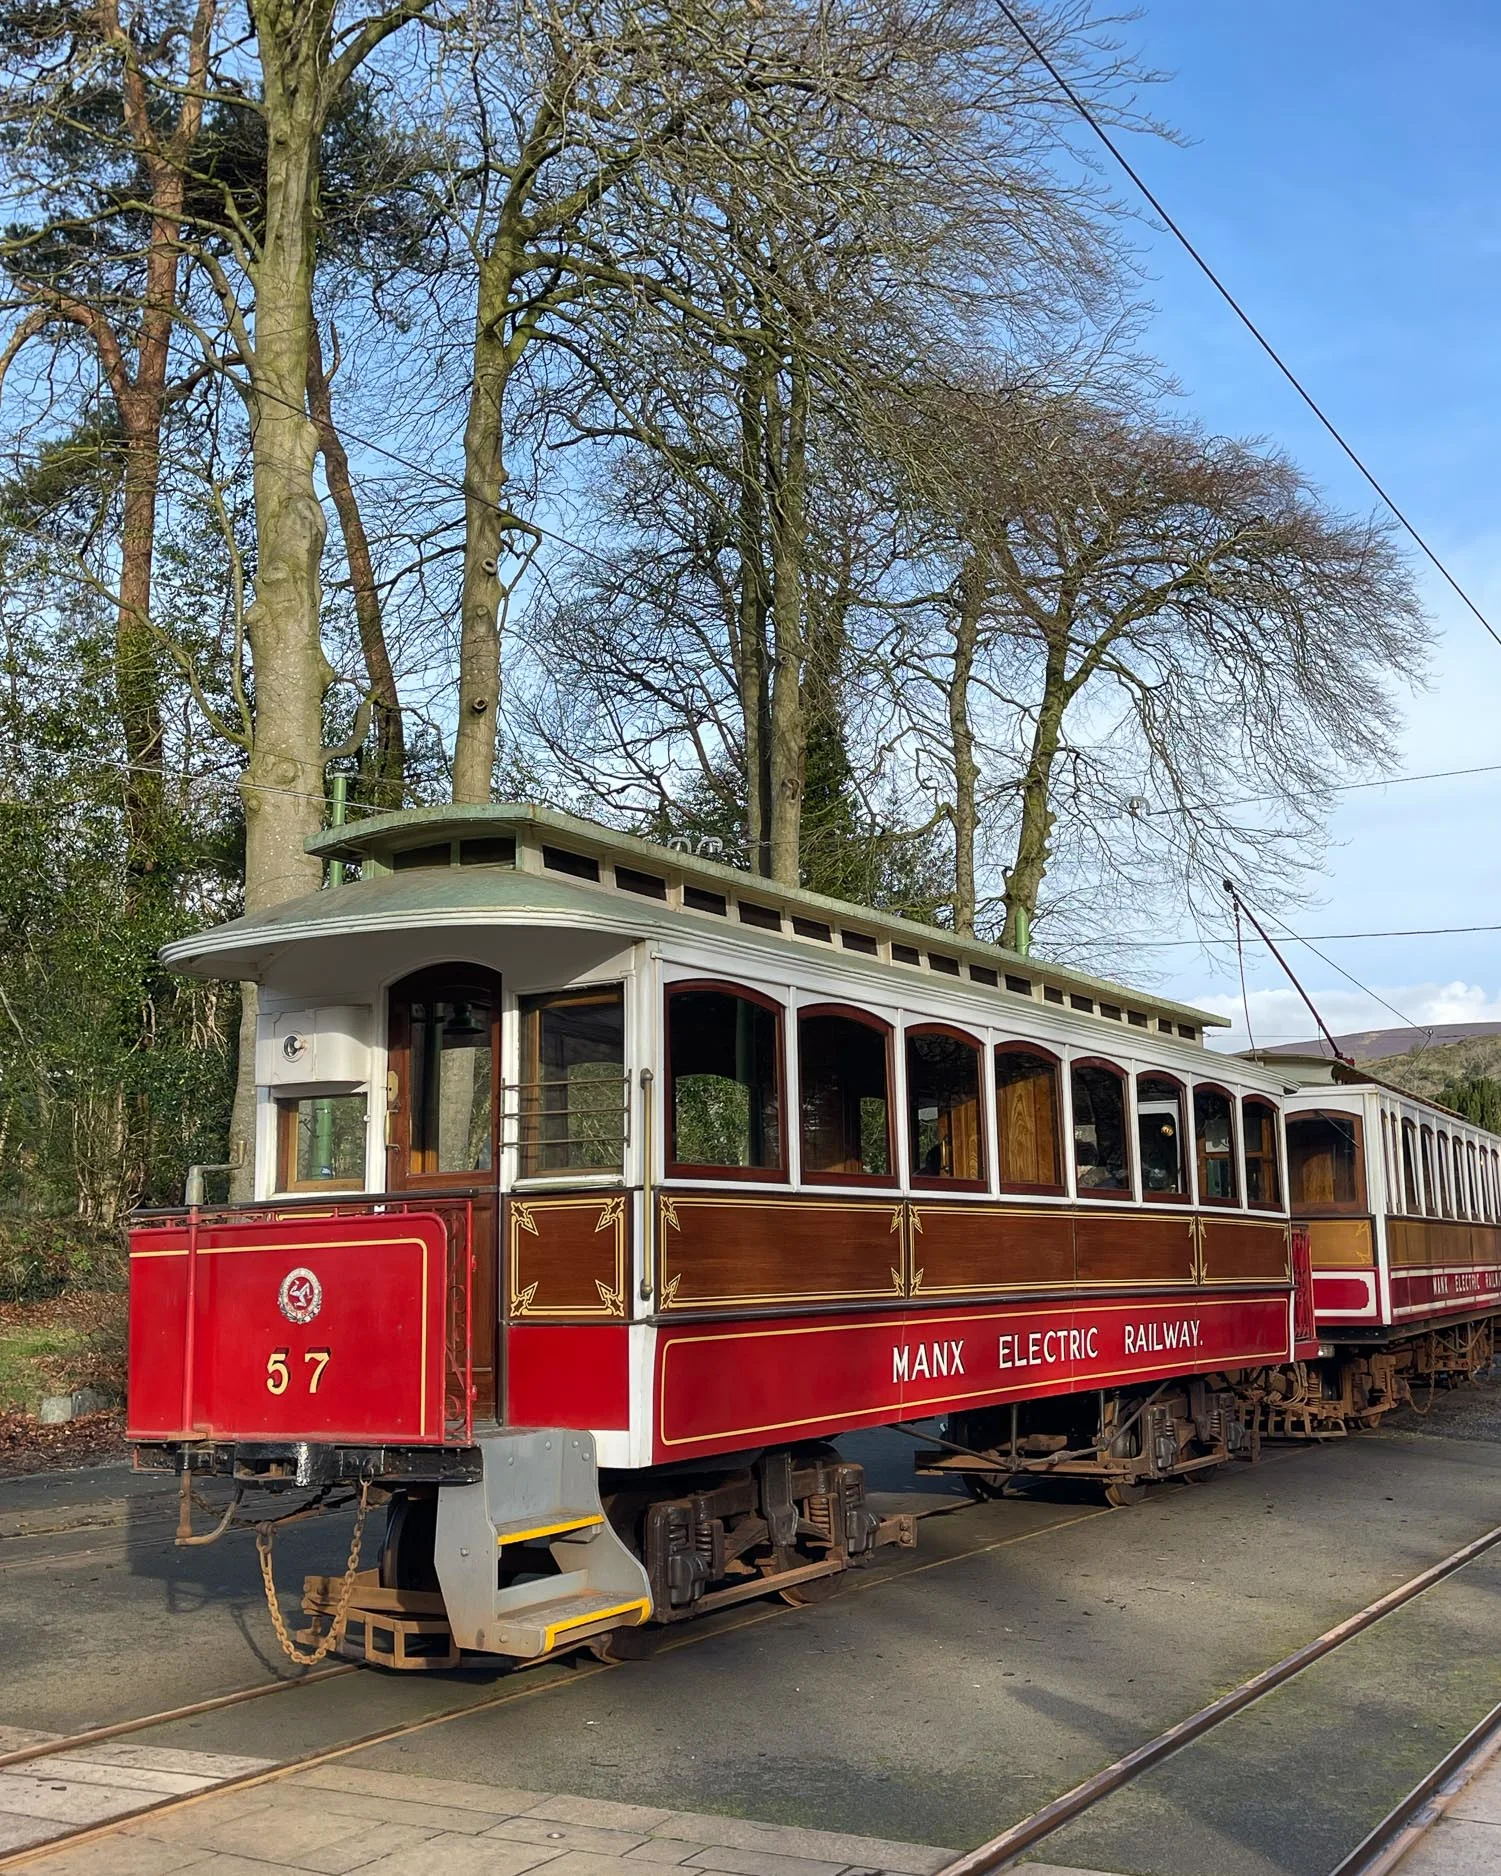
(1125, 1492)
(1202, 1475)
(816, 1589)
(627, 1644)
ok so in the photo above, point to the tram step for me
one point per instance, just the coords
(560, 1620)
(536, 1503)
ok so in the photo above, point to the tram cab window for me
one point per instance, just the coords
(1159, 1137)
(571, 1105)
(320, 1143)
(1027, 1116)
(1430, 1183)
(1259, 1131)
(1410, 1199)
(844, 1106)
(1323, 1163)
(1214, 1130)
(453, 1094)
(724, 1052)
(943, 1107)
(1446, 1203)
(1102, 1154)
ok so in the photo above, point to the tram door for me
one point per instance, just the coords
(444, 1121)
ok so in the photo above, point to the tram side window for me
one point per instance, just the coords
(724, 1055)
(1102, 1157)
(844, 1105)
(1386, 1157)
(1461, 1199)
(1474, 1179)
(1411, 1200)
(1159, 1137)
(1259, 1128)
(1323, 1163)
(943, 1107)
(1027, 1115)
(1446, 1203)
(572, 1093)
(1214, 1128)
(320, 1143)
(1430, 1182)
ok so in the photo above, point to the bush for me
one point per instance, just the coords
(45, 1257)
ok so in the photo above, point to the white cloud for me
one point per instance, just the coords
(1281, 1016)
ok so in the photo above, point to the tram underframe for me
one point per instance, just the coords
(1124, 1439)
(1355, 1387)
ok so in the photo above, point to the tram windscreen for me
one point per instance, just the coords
(723, 1052)
(1323, 1169)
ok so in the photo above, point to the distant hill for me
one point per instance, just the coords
(1419, 1060)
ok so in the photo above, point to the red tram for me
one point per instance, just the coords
(600, 1188)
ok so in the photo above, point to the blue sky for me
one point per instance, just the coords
(1341, 174)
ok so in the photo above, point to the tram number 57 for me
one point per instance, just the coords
(278, 1375)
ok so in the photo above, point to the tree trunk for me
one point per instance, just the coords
(1025, 876)
(789, 729)
(485, 478)
(386, 783)
(962, 742)
(751, 661)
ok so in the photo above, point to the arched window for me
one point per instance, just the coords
(844, 1103)
(724, 1075)
(1386, 1159)
(1411, 1198)
(1102, 1150)
(1263, 1175)
(1214, 1130)
(1430, 1178)
(1462, 1206)
(1446, 1202)
(1029, 1118)
(944, 1128)
(1159, 1137)
(1324, 1173)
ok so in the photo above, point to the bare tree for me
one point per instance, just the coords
(1169, 646)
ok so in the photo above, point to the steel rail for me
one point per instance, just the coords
(1001, 1851)
(1407, 1823)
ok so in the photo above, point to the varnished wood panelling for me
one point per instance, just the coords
(1242, 1250)
(1129, 1247)
(1341, 1243)
(568, 1258)
(733, 1250)
(968, 1249)
(1423, 1243)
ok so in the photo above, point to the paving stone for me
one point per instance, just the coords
(210, 1821)
(601, 1814)
(449, 1855)
(552, 1834)
(762, 1863)
(207, 1765)
(499, 1800)
(123, 1856)
(821, 1846)
(365, 1847)
(664, 1850)
(1480, 1801)
(1455, 1847)
(18, 1738)
(586, 1863)
(368, 1809)
(68, 1801)
(19, 1833)
(151, 1781)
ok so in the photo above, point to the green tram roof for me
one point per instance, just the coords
(456, 865)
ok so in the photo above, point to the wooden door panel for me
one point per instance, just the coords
(1244, 1250)
(965, 1249)
(1130, 1247)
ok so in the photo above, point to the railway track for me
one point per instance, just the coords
(1378, 1854)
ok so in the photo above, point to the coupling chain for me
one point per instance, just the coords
(265, 1535)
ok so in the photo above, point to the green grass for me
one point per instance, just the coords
(23, 1378)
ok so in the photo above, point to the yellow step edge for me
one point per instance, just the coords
(640, 1609)
(551, 1530)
